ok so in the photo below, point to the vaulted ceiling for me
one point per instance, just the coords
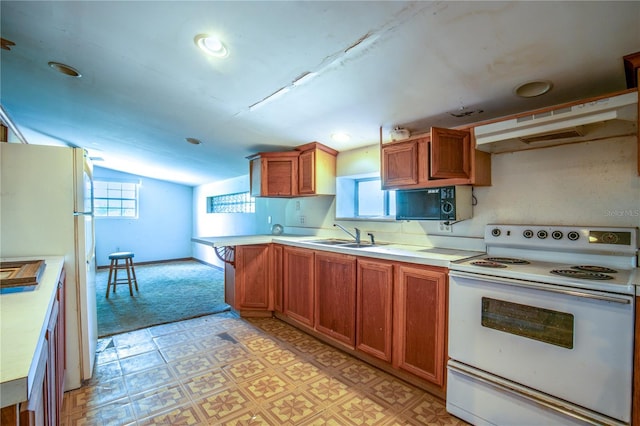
(145, 86)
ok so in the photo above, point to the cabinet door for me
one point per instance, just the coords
(280, 176)
(374, 308)
(400, 164)
(52, 341)
(61, 361)
(307, 173)
(298, 284)
(277, 276)
(335, 296)
(252, 277)
(450, 154)
(420, 322)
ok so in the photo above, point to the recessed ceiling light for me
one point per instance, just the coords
(65, 69)
(211, 45)
(341, 137)
(193, 141)
(532, 89)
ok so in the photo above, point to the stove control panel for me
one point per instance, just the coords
(563, 237)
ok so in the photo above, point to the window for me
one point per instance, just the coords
(115, 199)
(240, 202)
(362, 198)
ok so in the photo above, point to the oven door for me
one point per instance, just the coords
(573, 344)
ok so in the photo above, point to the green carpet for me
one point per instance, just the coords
(168, 292)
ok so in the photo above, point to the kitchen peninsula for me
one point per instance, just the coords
(385, 303)
(32, 349)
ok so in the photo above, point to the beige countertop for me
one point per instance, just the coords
(434, 256)
(23, 324)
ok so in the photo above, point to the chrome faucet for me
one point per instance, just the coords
(356, 237)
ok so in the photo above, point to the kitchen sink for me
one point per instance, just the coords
(345, 243)
(331, 242)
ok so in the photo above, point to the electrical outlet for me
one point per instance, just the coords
(444, 227)
(301, 219)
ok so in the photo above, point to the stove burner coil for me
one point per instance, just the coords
(583, 275)
(592, 268)
(488, 264)
(507, 260)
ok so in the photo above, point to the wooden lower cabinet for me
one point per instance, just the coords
(277, 277)
(253, 278)
(45, 402)
(374, 308)
(335, 296)
(636, 369)
(420, 322)
(298, 284)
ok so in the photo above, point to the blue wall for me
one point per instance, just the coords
(162, 230)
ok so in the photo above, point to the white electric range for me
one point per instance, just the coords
(541, 327)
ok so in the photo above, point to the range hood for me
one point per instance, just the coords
(598, 119)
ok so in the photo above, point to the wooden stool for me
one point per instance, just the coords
(127, 256)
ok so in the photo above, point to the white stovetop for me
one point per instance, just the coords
(23, 322)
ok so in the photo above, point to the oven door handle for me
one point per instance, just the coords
(541, 286)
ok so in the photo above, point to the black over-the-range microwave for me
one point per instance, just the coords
(447, 203)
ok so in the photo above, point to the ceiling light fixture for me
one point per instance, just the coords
(65, 69)
(193, 141)
(532, 89)
(211, 45)
(341, 137)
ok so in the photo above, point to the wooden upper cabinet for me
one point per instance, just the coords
(274, 174)
(309, 169)
(316, 169)
(441, 158)
(450, 154)
(401, 163)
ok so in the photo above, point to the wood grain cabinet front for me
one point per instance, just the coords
(374, 308)
(277, 277)
(335, 297)
(308, 169)
(440, 158)
(316, 169)
(274, 174)
(420, 322)
(298, 283)
(253, 287)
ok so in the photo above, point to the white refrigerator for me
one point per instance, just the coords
(46, 208)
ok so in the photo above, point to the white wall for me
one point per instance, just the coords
(162, 230)
(592, 183)
(216, 224)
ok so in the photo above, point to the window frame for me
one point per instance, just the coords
(240, 204)
(121, 183)
(350, 203)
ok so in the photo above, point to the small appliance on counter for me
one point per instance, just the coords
(277, 229)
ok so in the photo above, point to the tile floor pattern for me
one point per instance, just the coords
(224, 370)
